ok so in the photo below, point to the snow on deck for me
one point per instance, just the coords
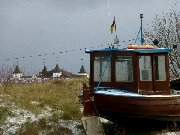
(125, 93)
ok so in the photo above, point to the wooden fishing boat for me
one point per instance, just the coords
(131, 83)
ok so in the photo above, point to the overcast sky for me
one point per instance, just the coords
(46, 27)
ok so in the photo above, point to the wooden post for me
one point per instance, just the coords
(88, 100)
(92, 125)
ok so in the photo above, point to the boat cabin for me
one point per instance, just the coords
(138, 69)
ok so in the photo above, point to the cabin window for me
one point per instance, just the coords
(102, 69)
(124, 69)
(159, 62)
(145, 68)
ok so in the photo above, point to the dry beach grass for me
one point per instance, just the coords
(50, 104)
(50, 108)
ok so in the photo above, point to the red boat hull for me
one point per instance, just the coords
(146, 107)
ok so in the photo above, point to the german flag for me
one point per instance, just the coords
(113, 26)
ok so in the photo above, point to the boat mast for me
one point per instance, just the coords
(142, 40)
(140, 32)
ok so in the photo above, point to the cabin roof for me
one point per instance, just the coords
(139, 51)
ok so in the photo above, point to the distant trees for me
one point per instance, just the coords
(5, 76)
(17, 69)
(82, 69)
(5, 73)
(44, 73)
(166, 29)
(47, 74)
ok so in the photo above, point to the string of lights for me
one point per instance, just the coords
(57, 54)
